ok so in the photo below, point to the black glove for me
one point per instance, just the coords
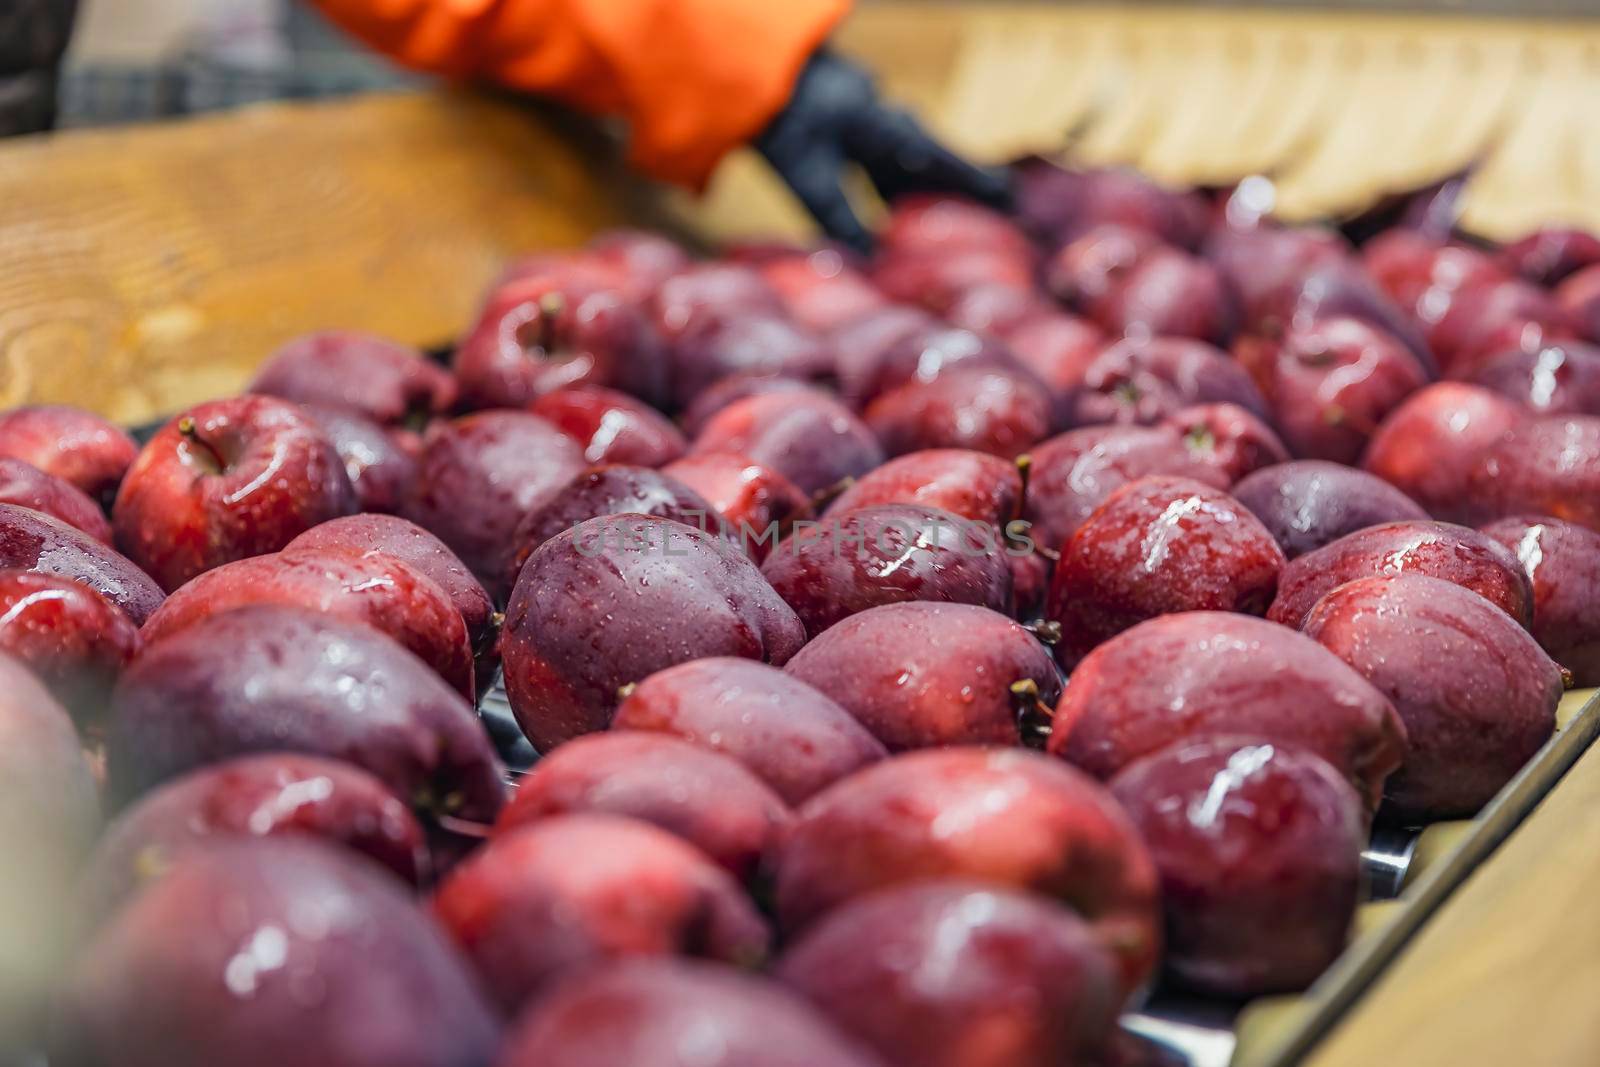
(834, 118)
(33, 35)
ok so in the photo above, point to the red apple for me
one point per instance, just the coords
(27, 486)
(73, 445)
(710, 801)
(1086, 269)
(1549, 465)
(973, 485)
(1058, 348)
(1072, 474)
(390, 535)
(554, 899)
(1477, 694)
(389, 383)
(1168, 293)
(640, 260)
(226, 481)
(1428, 446)
(612, 427)
(1009, 819)
(1227, 437)
(1563, 561)
(347, 583)
(790, 735)
(745, 344)
(704, 294)
(960, 974)
(982, 409)
(676, 1013)
(1143, 381)
(1555, 379)
(1198, 674)
(1259, 850)
(381, 463)
(1549, 255)
(919, 674)
(479, 475)
(820, 290)
(73, 639)
(554, 329)
(1330, 382)
(1579, 297)
(276, 793)
(757, 501)
(1436, 549)
(33, 541)
(1159, 545)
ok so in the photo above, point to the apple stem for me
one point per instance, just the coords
(191, 433)
(1567, 680)
(1034, 716)
(822, 499)
(626, 691)
(1048, 631)
(1025, 472)
(551, 305)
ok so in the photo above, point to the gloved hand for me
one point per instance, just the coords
(33, 35)
(835, 118)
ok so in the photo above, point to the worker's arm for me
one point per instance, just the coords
(692, 78)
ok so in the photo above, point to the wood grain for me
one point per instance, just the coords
(144, 269)
(1506, 972)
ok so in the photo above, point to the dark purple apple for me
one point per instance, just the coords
(292, 951)
(960, 974)
(617, 599)
(479, 475)
(1311, 502)
(676, 1013)
(809, 438)
(260, 679)
(390, 383)
(1259, 850)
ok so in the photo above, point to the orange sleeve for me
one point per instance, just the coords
(692, 78)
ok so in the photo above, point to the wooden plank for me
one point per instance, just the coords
(144, 269)
(1506, 970)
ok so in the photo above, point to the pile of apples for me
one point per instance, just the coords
(928, 655)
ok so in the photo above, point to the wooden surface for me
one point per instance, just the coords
(144, 269)
(1507, 971)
